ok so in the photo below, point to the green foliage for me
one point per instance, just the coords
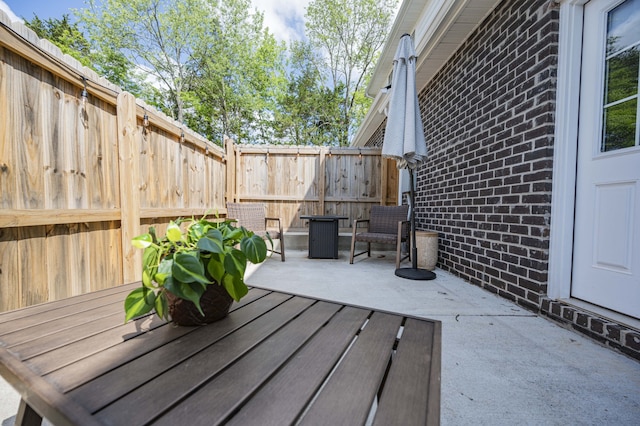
(156, 35)
(308, 112)
(350, 33)
(185, 262)
(240, 73)
(64, 34)
(107, 62)
(213, 65)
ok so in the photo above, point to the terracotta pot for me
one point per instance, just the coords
(215, 303)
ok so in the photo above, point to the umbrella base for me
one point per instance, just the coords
(415, 274)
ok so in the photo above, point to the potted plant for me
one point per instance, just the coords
(191, 277)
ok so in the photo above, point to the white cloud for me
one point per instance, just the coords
(284, 18)
(8, 11)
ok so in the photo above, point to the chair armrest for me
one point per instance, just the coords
(359, 221)
(274, 219)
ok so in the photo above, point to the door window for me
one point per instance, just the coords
(622, 67)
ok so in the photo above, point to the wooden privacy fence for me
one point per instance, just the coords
(80, 177)
(293, 181)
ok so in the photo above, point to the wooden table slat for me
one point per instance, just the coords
(280, 401)
(100, 363)
(411, 379)
(31, 311)
(73, 352)
(115, 332)
(38, 324)
(349, 393)
(173, 383)
(237, 383)
(81, 330)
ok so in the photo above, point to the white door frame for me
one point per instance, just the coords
(565, 154)
(565, 150)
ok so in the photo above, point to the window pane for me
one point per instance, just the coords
(620, 126)
(622, 26)
(622, 76)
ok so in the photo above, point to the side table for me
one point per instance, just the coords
(323, 236)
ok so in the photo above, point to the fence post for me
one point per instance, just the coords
(129, 171)
(384, 181)
(322, 177)
(230, 154)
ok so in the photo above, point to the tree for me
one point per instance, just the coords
(307, 109)
(64, 34)
(350, 33)
(240, 73)
(156, 35)
(67, 36)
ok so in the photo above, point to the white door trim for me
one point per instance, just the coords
(565, 151)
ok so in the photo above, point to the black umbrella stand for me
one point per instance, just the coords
(414, 273)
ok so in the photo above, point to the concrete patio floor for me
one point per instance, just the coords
(501, 365)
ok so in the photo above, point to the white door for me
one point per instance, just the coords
(606, 262)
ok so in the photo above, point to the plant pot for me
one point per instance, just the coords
(427, 246)
(215, 303)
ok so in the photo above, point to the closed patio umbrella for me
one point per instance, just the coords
(404, 137)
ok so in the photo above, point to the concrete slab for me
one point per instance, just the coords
(501, 365)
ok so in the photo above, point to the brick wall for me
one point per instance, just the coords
(486, 186)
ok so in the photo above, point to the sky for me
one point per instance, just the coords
(284, 18)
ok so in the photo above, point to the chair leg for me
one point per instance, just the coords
(353, 247)
(368, 249)
(398, 252)
(282, 246)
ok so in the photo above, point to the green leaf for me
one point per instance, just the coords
(254, 248)
(142, 241)
(235, 263)
(138, 302)
(235, 286)
(165, 266)
(161, 306)
(196, 230)
(234, 234)
(150, 257)
(174, 234)
(149, 265)
(215, 267)
(211, 245)
(191, 292)
(215, 234)
(146, 278)
(160, 278)
(188, 269)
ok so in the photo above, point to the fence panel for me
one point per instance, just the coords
(79, 177)
(294, 181)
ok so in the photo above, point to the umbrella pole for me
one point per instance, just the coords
(414, 273)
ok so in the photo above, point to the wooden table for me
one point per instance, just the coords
(276, 359)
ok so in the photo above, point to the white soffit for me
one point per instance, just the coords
(439, 27)
(441, 31)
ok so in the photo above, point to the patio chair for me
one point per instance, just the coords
(252, 216)
(387, 225)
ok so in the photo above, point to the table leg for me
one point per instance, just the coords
(27, 416)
